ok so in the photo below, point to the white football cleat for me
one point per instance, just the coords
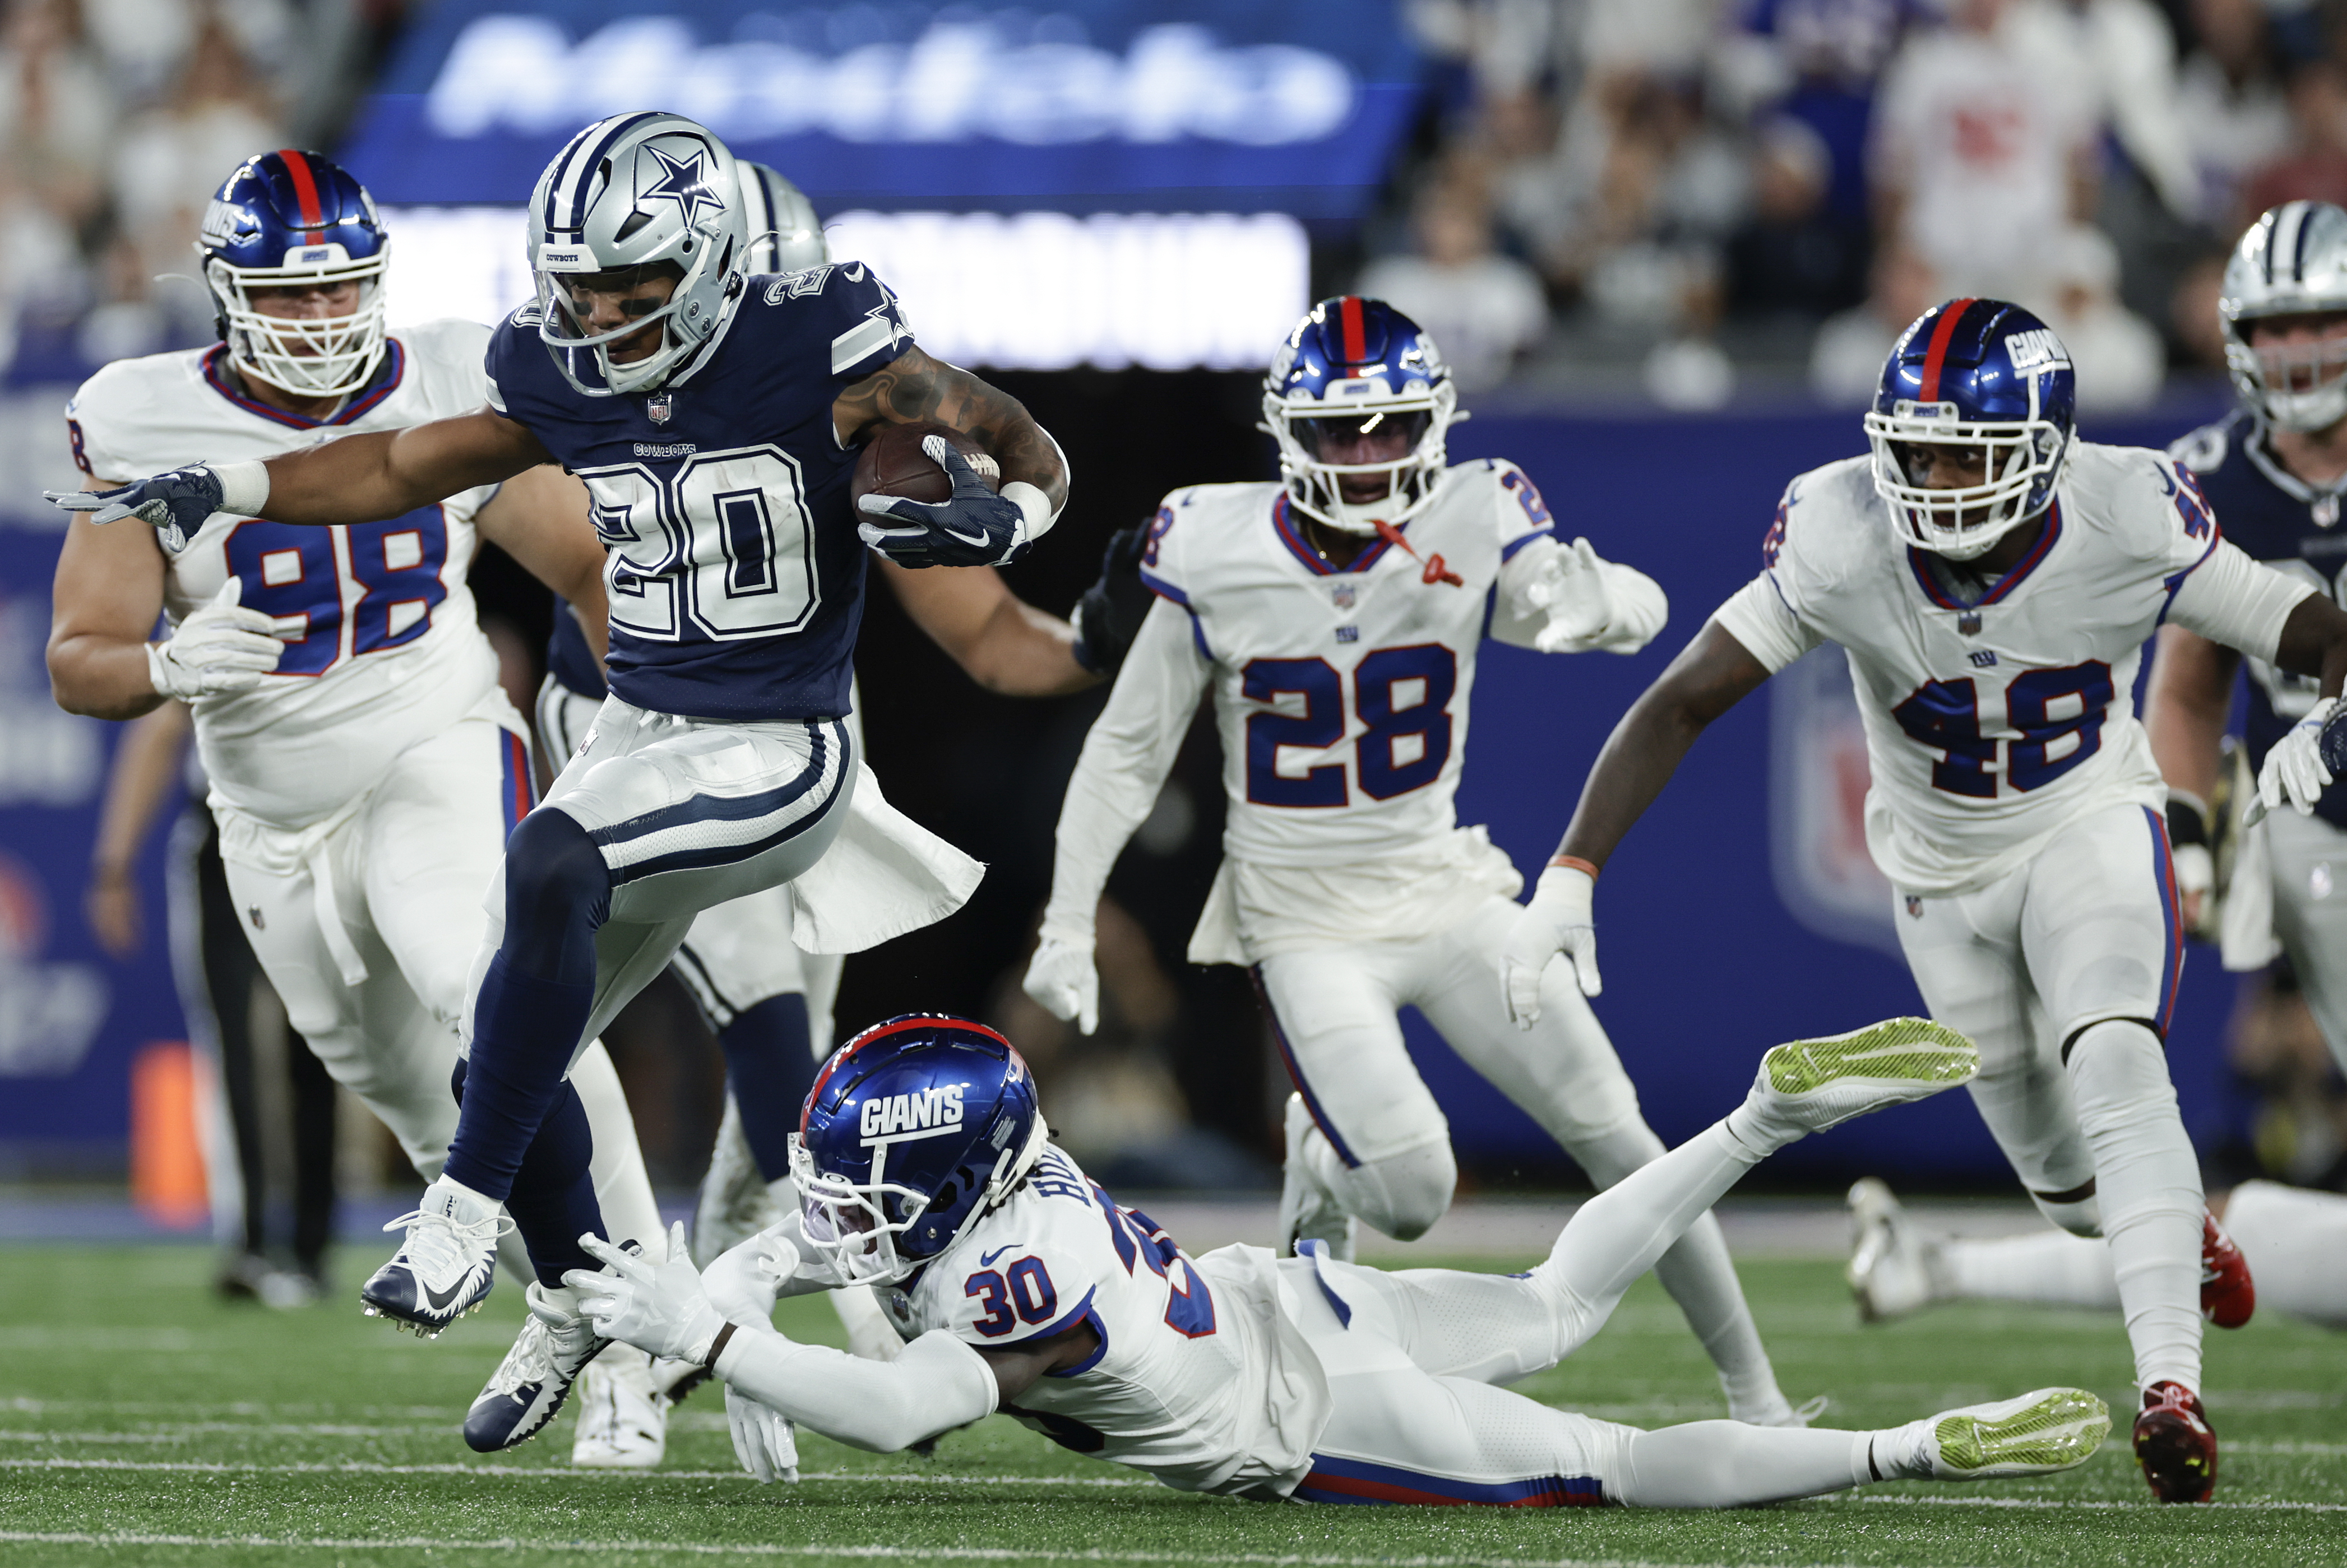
(2051, 1429)
(736, 1202)
(1894, 1267)
(1809, 1085)
(1308, 1211)
(530, 1384)
(447, 1263)
(622, 1418)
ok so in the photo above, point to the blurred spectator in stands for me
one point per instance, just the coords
(56, 119)
(2313, 167)
(1670, 187)
(127, 323)
(1795, 256)
(2120, 55)
(1846, 359)
(1819, 62)
(173, 157)
(146, 43)
(2193, 323)
(2117, 356)
(1506, 47)
(1483, 309)
(1984, 142)
(2229, 100)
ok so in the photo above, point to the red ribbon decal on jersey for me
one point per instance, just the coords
(305, 190)
(1938, 351)
(1435, 571)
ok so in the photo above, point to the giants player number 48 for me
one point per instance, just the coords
(1994, 580)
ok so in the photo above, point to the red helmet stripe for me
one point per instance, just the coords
(1945, 329)
(1356, 340)
(305, 188)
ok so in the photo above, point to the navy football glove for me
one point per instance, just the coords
(974, 527)
(1109, 615)
(176, 503)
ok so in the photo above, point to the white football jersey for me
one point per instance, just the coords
(389, 651)
(1341, 696)
(1991, 723)
(1201, 1380)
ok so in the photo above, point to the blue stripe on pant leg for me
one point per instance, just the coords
(1296, 1073)
(2163, 868)
(704, 808)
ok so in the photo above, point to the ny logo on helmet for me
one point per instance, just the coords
(922, 1114)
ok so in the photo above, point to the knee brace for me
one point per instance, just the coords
(557, 891)
(1402, 1195)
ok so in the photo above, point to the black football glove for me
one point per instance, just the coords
(974, 527)
(176, 504)
(1109, 615)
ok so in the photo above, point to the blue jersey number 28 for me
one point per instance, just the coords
(1402, 698)
(2045, 706)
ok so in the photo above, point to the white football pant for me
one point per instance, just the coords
(2309, 860)
(368, 924)
(1382, 1146)
(2064, 973)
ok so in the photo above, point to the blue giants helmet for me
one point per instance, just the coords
(291, 219)
(913, 1130)
(1349, 366)
(1985, 374)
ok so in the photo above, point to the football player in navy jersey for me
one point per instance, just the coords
(2274, 469)
(714, 418)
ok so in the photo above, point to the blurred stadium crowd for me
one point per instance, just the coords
(1704, 186)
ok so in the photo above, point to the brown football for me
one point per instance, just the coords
(894, 464)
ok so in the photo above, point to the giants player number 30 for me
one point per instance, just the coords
(1994, 580)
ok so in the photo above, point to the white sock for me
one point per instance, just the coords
(2053, 1268)
(2148, 1181)
(1618, 1235)
(1726, 1464)
(1699, 1276)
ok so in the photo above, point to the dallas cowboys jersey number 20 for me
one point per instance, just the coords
(735, 572)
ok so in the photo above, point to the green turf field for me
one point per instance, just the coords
(145, 1423)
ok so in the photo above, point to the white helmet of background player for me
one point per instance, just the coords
(1351, 365)
(2292, 262)
(645, 189)
(786, 236)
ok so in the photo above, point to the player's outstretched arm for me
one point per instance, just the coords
(104, 601)
(1711, 675)
(1127, 754)
(1001, 641)
(914, 387)
(2314, 643)
(541, 517)
(359, 478)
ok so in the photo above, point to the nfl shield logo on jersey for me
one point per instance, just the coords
(1343, 595)
(658, 407)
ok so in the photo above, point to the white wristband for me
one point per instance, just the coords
(244, 486)
(1034, 508)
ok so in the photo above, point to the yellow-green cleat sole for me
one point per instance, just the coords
(1914, 1050)
(2051, 1429)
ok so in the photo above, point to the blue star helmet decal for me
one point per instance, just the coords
(684, 183)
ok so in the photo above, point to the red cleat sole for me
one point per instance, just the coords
(2175, 1445)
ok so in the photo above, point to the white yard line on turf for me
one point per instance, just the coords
(885, 1552)
(923, 1478)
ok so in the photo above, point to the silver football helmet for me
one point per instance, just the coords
(786, 236)
(2292, 262)
(638, 190)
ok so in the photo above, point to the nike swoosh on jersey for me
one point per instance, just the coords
(986, 1259)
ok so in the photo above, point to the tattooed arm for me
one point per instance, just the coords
(914, 387)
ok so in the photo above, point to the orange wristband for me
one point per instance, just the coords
(1574, 863)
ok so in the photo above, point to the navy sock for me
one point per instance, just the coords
(770, 1068)
(553, 1200)
(533, 1004)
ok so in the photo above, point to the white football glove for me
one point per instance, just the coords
(1063, 979)
(1572, 589)
(764, 1439)
(219, 649)
(657, 1307)
(1557, 920)
(2294, 770)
